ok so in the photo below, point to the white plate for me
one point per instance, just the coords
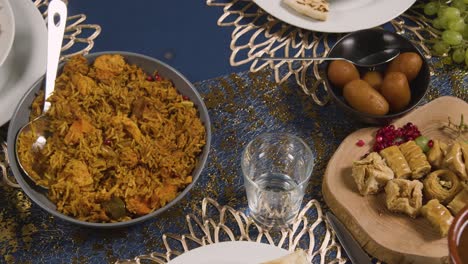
(344, 15)
(27, 60)
(234, 252)
(7, 29)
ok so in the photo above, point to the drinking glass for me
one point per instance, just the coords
(276, 169)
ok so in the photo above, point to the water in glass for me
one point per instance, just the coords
(276, 200)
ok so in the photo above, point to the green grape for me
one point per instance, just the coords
(465, 33)
(451, 13)
(466, 57)
(422, 141)
(457, 25)
(465, 1)
(430, 8)
(459, 4)
(440, 48)
(444, 22)
(437, 23)
(458, 55)
(452, 37)
(441, 10)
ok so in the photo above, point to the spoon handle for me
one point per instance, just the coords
(56, 20)
(299, 59)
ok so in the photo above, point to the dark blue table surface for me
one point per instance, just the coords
(181, 33)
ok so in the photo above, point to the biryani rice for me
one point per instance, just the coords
(115, 136)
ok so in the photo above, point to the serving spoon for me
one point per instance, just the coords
(56, 20)
(369, 61)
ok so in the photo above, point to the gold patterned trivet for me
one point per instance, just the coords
(79, 37)
(4, 167)
(256, 33)
(217, 223)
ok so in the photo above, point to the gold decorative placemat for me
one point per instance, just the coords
(256, 33)
(79, 37)
(216, 223)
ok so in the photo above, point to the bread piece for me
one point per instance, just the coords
(297, 257)
(316, 9)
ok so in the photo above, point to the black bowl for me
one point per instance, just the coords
(362, 43)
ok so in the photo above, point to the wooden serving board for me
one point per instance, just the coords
(391, 237)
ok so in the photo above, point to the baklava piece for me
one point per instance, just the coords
(442, 185)
(396, 161)
(459, 202)
(464, 148)
(438, 215)
(371, 174)
(436, 154)
(404, 196)
(454, 161)
(416, 159)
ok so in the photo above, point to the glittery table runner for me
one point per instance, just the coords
(241, 106)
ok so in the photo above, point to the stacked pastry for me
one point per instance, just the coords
(432, 184)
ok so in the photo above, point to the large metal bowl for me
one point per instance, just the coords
(21, 117)
(362, 43)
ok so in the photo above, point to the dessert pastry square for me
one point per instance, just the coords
(404, 196)
(459, 202)
(396, 161)
(454, 161)
(371, 174)
(464, 149)
(416, 159)
(436, 154)
(442, 185)
(438, 215)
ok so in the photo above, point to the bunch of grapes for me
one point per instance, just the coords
(451, 18)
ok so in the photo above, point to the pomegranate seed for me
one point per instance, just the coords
(390, 136)
(186, 98)
(150, 78)
(107, 142)
(157, 77)
(360, 143)
(430, 143)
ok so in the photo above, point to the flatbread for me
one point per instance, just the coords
(316, 9)
(298, 257)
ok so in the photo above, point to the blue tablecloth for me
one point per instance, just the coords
(241, 106)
